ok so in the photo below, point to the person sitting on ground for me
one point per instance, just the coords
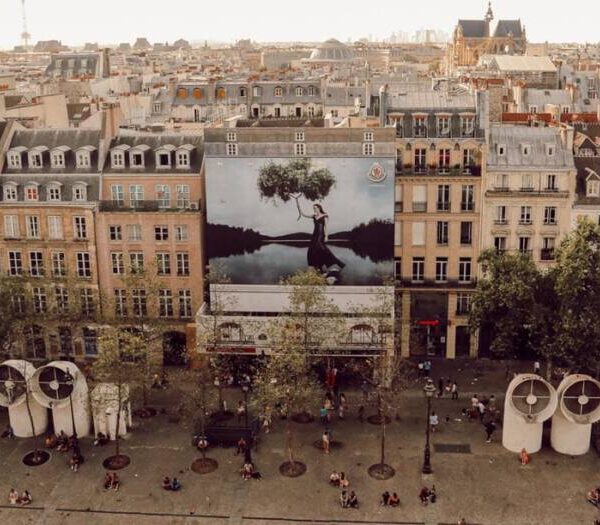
(13, 497)
(62, 442)
(166, 483)
(8, 432)
(116, 483)
(593, 496)
(394, 500)
(50, 441)
(107, 481)
(385, 499)
(344, 499)
(432, 495)
(175, 484)
(74, 462)
(241, 410)
(241, 446)
(524, 457)
(73, 443)
(101, 440)
(247, 470)
(344, 481)
(156, 381)
(334, 479)
(353, 500)
(202, 443)
(25, 498)
(424, 495)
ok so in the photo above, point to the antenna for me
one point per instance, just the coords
(25, 36)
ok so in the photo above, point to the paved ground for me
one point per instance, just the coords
(486, 486)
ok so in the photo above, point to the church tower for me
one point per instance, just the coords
(489, 16)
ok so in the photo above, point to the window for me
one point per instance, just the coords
(161, 233)
(116, 194)
(525, 217)
(242, 92)
(441, 269)
(442, 232)
(57, 159)
(500, 215)
(40, 301)
(163, 263)
(501, 149)
(136, 261)
(312, 91)
(15, 263)
(118, 263)
(548, 244)
(443, 125)
(54, 192)
(443, 197)
(550, 215)
(14, 160)
(136, 194)
(420, 126)
(11, 227)
(368, 149)
(592, 187)
(463, 303)
(134, 232)
(278, 91)
(80, 227)
(83, 159)
(299, 91)
(444, 159)
(55, 227)
(525, 149)
(17, 300)
(232, 149)
(140, 307)
(524, 245)
(464, 269)
(398, 268)
(118, 159)
(31, 192)
(500, 244)
(35, 160)
(418, 269)
(59, 267)
(420, 158)
(185, 303)
(532, 109)
(136, 159)
(183, 159)
(368, 136)
(418, 234)
(88, 305)
(33, 226)
(257, 91)
(165, 303)
(526, 182)
(120, 302)
(163, 195)
(466, 233)
(61, 296)
(84, 268)
(468, 159)
(467, 200)
(501, 182)
(231, 136)
(10, 192)
(419, 196)
(550, 150)
(79, 192)
(181, 232)
(90, 341)
(397, 233)
(34, 341)
(36, 264)
(163, 159)
(467, 125)
(183, 264)
(114, 233)
(299, 149)
(551, 182)
(299, 136)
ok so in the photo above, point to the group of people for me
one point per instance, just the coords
(15, 499)
(450, 388)
(64, 443)
(249, 472)
(112, 481)
(171, 484)
(428, 495)
(348, 501)
(389, 500)
(339, 479)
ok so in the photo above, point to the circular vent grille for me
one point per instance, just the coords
(55, 383)
(582, 398)
(531, 397)
(12, 383)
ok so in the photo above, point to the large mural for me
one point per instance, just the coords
(269, 218)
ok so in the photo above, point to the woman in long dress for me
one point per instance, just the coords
(319, 255)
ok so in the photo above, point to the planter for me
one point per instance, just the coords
(36, 458)
(292, 469)
(381, 471)
(116, 462)
(376, 419)
(204, 465)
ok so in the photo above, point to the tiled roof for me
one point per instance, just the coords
(506, 27)
(473, 28)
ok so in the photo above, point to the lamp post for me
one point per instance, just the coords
(245, 391)
(70, 380)
(429, 390)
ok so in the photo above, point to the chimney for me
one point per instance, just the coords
(112, 120)
(383, 105)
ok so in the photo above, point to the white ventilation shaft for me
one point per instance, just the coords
(62, 387)
(530, 400)
(15, 380)
(105, 404)
(578, 408)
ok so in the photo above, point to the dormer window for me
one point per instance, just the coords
(242, 92)
(501, 149)
(163, 156)
(312, 91)
(182, 156)
(31, 191)
(278, 92)
(257, 91)
(80, 191)
(550, 150)
(10, 191)
(231, 136)
(54, 191)
(57, 159)
(299, 136)
(368, 136)
(118, 156)
(13, 158)
(232, 150)
(299, 91)
(82, 159)
(525, 149)
(136, 159)
(35, 159)
(592, 185)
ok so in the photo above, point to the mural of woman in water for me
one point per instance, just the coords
(319, 256)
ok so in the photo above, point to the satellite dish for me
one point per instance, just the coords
(15, 380)
(530, 400)
(578, 408)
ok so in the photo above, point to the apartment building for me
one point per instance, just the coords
(150, 217)
(440, 147)
(586, 151)
(528, 190)
(50, 186)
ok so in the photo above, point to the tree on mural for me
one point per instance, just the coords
(294, 180)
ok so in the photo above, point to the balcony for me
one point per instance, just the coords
(144, 206)
(528, 189)
(419, 207)
(503, 189)
(448, 283)
(547, 254)
(467, 206)
(443, 206)
(433, 170)
(500, 221)
(525, 222)
(527, 252)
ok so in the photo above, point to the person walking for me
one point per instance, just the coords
(490, 427)
(325, 439)
(481, 410)
(536, 367)
(454, 391)
(440, 392)
(433, 421)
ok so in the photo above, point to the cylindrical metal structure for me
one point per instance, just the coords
(105, 405)
(530, 400)
(578, 408)
(62, 387)
(15, 393)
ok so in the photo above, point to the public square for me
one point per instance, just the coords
(483, 482)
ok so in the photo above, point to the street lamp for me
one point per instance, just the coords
(70, 380)
(429, 389)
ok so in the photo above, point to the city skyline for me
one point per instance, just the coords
(264, 21)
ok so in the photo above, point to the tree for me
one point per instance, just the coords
(294, 180)
(118, 363)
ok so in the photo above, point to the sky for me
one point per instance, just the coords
(112, 21)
